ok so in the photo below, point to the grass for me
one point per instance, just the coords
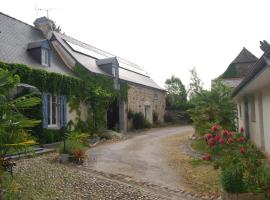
(199, 146)
(196, 175)
(199, 162)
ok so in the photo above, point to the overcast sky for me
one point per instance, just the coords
(164, 37)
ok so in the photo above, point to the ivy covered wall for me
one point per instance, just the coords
(96, 91)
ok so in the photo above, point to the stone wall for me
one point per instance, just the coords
(146, 100)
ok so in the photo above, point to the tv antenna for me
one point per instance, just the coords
(47, 10)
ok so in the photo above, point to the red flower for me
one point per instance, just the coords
(221, 141)
(217, 137)
(215, 128)
(242, 150)
(229, 141)
(241, 130)
(230, 134)
(241, 139)
(206, 157)
(225, 132)
(208, 136)
(211, 142)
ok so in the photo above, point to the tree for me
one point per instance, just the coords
(13, 124)
(213, 107)
(176, 94)
(195, 85)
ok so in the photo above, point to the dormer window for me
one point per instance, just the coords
(113, 71)
(40, 51)
(45, 57)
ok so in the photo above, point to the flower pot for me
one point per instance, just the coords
(243, 196)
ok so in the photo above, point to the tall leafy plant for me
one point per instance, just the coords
(13, 124)
(213, 107)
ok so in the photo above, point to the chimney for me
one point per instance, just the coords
(45, 25)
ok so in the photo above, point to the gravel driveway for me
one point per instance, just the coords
(139, 158)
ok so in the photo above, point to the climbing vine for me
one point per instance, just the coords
(95, 91)
(46, 81)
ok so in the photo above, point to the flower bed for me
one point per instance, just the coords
(242, 165)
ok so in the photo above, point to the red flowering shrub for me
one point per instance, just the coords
(221, 140)
(230, 140)
(241, 139)
(79, 155)
(241, 130)
(242, 150)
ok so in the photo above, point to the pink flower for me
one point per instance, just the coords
(221, 141)
(206, 157)
(241, 130)
(242, 150)
(229, 141)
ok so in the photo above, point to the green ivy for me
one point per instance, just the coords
(95, 90)
(46, 81)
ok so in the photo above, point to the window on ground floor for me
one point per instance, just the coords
(53, 110)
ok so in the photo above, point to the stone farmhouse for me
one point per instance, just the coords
(40, 47)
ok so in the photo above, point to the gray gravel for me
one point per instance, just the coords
(43, 178)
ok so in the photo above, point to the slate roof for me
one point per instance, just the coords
(87, 56)
(15, 38)
(245, 56)
(240, 66)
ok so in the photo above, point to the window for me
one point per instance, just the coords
(240, 110)
(252, 109)
(45, 57)
(113, 72)
(53, 110)
(156, 96)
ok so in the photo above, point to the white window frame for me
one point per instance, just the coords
(45, 57)
(113, 72)
(50, 113)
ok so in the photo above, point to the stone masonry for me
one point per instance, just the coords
(147, 101)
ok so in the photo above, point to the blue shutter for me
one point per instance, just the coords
(45, 109)
(63, 110)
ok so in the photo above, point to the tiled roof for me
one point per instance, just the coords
(240, 65)
(87, 55)
(15, 36)
(245, 56)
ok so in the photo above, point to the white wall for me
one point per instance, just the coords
(266, 117)
(72, 115)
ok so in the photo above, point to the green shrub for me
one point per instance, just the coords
(138, 121)
(82, 138)
(168, 118)
(51, 136)
(71, 147)
(148, 124)
(9, 188)
(232, 179)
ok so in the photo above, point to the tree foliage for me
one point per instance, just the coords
(195, 85)
(13, 123)
(176, 94)
(213, 107)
